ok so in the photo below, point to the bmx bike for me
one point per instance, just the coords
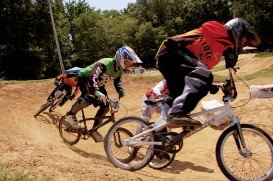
(72, 135)
(52, 103)
(243, 151)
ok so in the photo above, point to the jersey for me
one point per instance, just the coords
(101, 72)
(70, 79)
(207, 43)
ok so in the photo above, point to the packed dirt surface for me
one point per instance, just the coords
(33, 145)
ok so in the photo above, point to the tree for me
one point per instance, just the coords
(260, 15)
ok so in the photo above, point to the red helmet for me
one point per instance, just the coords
(240, 29)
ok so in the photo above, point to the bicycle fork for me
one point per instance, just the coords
(239, 138)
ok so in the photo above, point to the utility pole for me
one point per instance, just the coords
(56, 37)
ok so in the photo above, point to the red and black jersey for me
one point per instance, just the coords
(207, 43)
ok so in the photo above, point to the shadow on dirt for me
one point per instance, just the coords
(86, 154)
(53, 118)
(179, 166)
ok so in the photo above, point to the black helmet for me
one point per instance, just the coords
(240, 29)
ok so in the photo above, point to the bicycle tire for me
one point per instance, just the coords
(138, 159)
(162, 162)
(56, 101)
(65, 130)
(233, 170)
(134, 152)
(43, 108)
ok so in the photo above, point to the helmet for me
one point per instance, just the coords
(240, 29)
(126, 53)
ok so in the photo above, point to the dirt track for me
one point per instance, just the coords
(34, 145)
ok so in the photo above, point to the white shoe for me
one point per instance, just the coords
(97, 136)
(72, 120)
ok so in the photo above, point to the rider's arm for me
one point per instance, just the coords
(117, 83)
(97, 71)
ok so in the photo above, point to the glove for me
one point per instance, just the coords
(121, 93)
(101, 97)
(230, 58)
(213, 89)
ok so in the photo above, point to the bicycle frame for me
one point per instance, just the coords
(113, 105)
(226, 111)
(110, 118)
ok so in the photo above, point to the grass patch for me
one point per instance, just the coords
(264, 73)
(15, 176)
(153, 76)
(264, 54)
(218, 68)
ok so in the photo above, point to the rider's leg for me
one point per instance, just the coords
(196, 87)
(68, 89)
(146, 114)
(103, 110)
(52, 94)
(163, 116)
(83, 102)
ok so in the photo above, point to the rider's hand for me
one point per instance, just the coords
(121, 93)
(101, 97)
(214, 89)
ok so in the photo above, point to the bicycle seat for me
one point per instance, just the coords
(153, 102)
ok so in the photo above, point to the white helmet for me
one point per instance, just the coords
(128, 54)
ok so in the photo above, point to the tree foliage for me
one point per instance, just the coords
(27, 45)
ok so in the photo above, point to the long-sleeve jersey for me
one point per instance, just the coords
(101, 72)
(207, 43)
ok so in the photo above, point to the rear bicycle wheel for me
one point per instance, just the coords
(128, 157)
(43, 108)
(161, 160)
(68, 134)
(253, 163)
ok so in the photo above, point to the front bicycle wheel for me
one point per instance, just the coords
(128, 156)
(255, 162)
(68, 134)
(43, 108)
(57, 99)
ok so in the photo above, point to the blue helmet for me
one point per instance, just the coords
(126, 53)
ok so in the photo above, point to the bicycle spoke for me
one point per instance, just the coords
(251, 163)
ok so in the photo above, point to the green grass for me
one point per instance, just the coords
(154, 76)
(264, 73)
(264, 54)
(15, 176)
(218, 68)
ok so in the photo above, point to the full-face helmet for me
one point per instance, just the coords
(240, 29)
(124, 54)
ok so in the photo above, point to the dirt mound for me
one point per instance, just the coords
(34, 145)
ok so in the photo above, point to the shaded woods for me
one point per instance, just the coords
(28, 50)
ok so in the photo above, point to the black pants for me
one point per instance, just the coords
(180, 69)
(85, 100)
(61, 87)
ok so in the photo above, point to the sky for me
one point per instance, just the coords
(109, 4)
